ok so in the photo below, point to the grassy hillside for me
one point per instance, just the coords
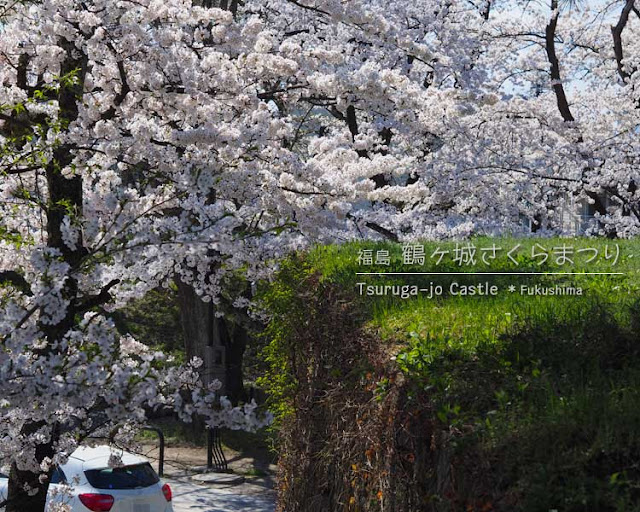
(492, 402)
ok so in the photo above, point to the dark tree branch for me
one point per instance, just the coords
(486, 12)
(21, 78)
(22, 321)
(21, 170)
(7, 119)
(98, 300)
(336, 113)
(124, 88)
(556, 79)
(616, 32)
(17, 280)
(390, 235)
(352, 123)
(269, 95)
(296, 32)
(308, 192)
(310, 7)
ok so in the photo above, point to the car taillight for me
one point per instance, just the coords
(97, 502)
(166, 490)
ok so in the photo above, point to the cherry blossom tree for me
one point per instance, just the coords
(359, 137)
(375, 83)
(144, 140)
(116, 139)
(434, 120)
(556, 122)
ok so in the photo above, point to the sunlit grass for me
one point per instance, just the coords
(468, 321)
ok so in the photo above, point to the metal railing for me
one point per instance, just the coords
(161, 447)
(216, 460)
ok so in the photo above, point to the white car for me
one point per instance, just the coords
(88, 484)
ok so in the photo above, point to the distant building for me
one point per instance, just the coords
(574, 217)
(578, 217)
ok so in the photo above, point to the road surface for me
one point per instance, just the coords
(192, 497)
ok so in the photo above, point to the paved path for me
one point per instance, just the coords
(191, 497)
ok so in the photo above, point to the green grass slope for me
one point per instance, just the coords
(542, 392)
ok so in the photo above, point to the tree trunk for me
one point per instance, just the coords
(219, 343)
(195, 317)
(235, 356)
(18, 499)
(28, 490)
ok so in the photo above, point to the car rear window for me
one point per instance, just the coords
(127, 477)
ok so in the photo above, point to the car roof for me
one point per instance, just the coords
(97, 457)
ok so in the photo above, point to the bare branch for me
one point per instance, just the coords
(98, 300)
(616, 32)
(22, 321)
(352, 123)
(556, 79)
(21, 78)
(390, 235)
(124, 88)
(309, 7)
(486, 11)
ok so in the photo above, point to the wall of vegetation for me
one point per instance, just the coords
(494, 403)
